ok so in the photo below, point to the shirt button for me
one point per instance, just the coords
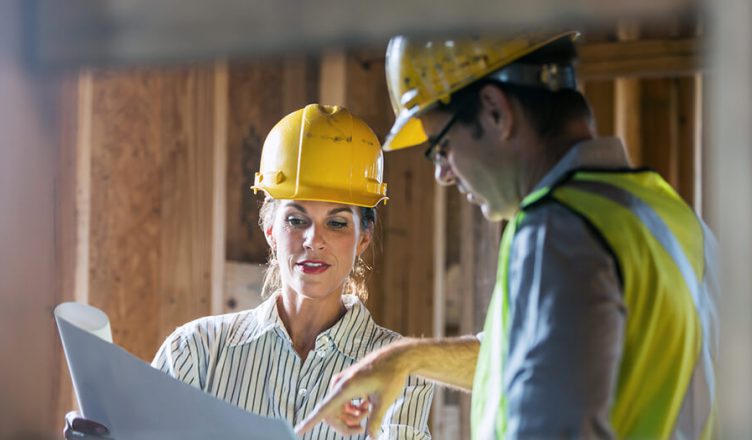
(321, 352)
(302, 392)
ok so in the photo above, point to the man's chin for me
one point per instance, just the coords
(494, 215)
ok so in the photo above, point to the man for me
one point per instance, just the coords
(602, 322)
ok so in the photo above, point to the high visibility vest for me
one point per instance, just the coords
(664, 254)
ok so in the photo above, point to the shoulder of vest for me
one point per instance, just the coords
(544, 195)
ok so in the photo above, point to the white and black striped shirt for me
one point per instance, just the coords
(248, 360)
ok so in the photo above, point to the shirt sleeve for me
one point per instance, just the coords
(407, 419)
(567, 320)
(177, 357)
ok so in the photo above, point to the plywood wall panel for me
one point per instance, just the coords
(401, 286)
(151, 201)
(257, 101)
(126, 205)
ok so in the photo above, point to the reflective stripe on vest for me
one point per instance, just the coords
(666, 383)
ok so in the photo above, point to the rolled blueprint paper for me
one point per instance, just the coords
(86, 318)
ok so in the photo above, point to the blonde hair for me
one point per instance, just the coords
(355, 283)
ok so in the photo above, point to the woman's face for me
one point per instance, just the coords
(316, 245)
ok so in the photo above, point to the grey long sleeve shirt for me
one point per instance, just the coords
(567, 317)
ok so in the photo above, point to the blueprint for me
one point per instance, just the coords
(138, 402)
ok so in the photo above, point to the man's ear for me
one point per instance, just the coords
(496, 108)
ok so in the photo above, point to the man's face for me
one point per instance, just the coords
(480, 163)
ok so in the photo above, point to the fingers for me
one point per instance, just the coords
(329, 409)
(379, 406)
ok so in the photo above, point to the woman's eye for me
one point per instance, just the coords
(337, 224)
(295, 221)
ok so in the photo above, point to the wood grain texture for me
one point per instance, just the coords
(401, 286)
(600, 94)
(689, 139)
(151, 201)
(67, 228)
(256, 103)
(660, 147)
(641, 58)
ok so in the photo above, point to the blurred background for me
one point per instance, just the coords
(131, 131)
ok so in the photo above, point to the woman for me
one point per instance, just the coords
(321, 170)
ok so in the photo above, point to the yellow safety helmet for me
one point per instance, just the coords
(322, 153)
(421, 72)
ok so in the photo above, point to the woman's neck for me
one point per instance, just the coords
(306, 318)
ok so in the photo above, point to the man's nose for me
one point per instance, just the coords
(443, 174)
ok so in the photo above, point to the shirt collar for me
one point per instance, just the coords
(605, 152)
(346, 335)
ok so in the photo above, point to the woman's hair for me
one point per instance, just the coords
(355, 283)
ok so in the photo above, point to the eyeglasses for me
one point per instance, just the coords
(434, 152)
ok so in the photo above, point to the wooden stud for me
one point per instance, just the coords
(688, 139)
(221, 96)
(600, 94)
(659, 130)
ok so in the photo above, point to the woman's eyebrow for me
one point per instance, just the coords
(340, 209)
(298, 207)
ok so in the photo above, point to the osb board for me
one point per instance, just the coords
(401, 285)
(261, 93)
(151, 203)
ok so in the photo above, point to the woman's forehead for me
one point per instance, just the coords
(310, 206)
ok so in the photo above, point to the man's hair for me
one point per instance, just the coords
(547, 111)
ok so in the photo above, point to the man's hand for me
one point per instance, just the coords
(79, 428)
(376, 381)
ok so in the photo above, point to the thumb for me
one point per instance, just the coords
(379, 407)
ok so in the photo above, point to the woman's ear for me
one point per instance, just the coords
(365, 240)
(269, 234)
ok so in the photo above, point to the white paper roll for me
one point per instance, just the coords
(85, 317)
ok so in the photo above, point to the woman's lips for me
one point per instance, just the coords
(312, 267)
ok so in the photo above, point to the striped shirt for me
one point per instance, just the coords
(248, 360)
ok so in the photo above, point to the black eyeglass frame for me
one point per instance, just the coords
(434, 141)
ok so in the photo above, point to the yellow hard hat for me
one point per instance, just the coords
(421, 72)
(322, 153)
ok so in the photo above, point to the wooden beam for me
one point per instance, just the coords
(125, 31)
(639, 59)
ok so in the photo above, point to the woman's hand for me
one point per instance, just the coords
(79, 428)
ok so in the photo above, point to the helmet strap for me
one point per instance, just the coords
(550, 76)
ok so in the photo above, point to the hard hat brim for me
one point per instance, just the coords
(329, 196)
(406, 132)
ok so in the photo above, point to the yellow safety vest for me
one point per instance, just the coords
(666, 384)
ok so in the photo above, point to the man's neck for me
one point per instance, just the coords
(547, 153)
